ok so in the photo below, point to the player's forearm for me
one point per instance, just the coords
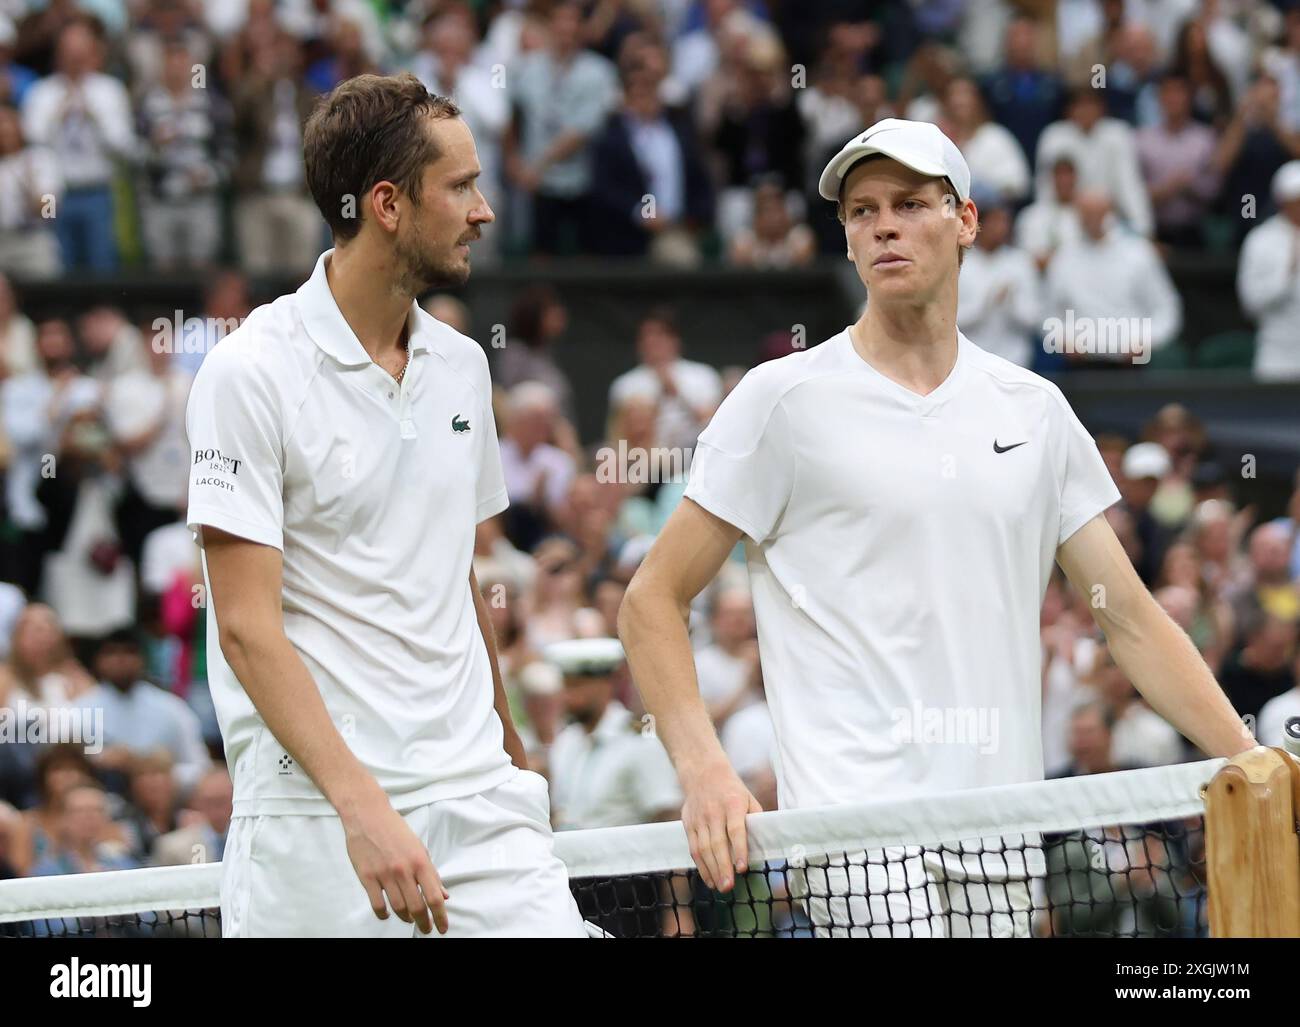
(652, 627)
(1166, 669)
(282, 690)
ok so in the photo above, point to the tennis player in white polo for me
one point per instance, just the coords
(344, 450)
(902, 495)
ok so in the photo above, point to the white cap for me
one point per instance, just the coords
(1146, 460)
(1286, 182)
(917, 144)
(585, 656)
(540, 678)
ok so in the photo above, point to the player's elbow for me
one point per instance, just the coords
(645, 599)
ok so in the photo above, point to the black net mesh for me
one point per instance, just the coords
(1132, 881)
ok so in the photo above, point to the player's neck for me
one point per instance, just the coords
(913, 346)
(376, 314)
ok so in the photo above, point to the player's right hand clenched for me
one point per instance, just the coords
(713, 814)
(391, 861)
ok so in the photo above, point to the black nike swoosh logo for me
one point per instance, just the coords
(1003, 449)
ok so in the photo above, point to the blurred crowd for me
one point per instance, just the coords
(1102, 135)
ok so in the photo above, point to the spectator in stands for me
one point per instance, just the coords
(1140, 737)
(1177, 157)
(925, 79)
(1091, 735)
(776, 240)
(651, 193)
(445, 64)
(1145, 466)
(1193, 59)
(1212, 624)
(225, 305)
(1270, 588)
(11, 827)
(1274, 714)
(556, 607)
(687, 392)
(1217, 530)
(1105, 155)
(84, 117)
(725, 667)
(278, 227)
(537, 473)
(1252, 149)
(139, 717)
(1283, 63)
(145, 413)
(110, 344)
(562, 95)
(163, 25)
(538, 317)
(1089, 41)
(605, 770)
(18, 354)
(996, 161)
(1113, 284)
(42, 668)
(202, 839)
(749, 741)
(1132, 77)
(1023, 95)
(153, 802)
(1261, 669)
(188, 159)
(345, 57)
(1268, 280)
(81, 825)
(15, 79)
(1050, 222)
(31, 187)
(1000, 301)
(1182, 436)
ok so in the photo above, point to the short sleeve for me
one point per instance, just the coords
(490, 487)
(742, 469)
(235, 429)
(1087, 488)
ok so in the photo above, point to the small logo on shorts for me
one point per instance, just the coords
(286, 764)
(458, 425)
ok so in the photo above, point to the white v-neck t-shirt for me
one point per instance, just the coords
(372, 490)
(899, 547)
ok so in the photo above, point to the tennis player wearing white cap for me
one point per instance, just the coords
(902, 495)
(344, 450)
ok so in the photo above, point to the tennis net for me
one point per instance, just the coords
(1109, 855)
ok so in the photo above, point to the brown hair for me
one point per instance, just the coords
(370, 129)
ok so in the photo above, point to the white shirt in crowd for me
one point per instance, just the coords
(1268, 284)
(1274, 714)
(698, 385)
(1063, 693)
(1143, 738)
(1121, 277)
(521, 472)
(30, 184)
(1045, 226)
(997, 162)
(749, 741)
(612, 776)
(167, 553)
(898, 559)
(1106, 158)
(134, 403)
(1000, 302)
(720, 674)
(372, 491)
(87, 125)
(24, 407)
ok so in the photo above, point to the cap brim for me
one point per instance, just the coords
(833, 175)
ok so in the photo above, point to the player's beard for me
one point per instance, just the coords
(421, 270)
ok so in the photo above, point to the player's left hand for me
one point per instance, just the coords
(713, 814)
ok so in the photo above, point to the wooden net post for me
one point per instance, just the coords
(1252, 851)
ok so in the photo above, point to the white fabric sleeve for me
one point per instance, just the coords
(490, 488)
(236, 434)
(743, 467)
(1087, 488)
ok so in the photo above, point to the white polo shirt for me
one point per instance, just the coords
(898, 562)
(372, 491)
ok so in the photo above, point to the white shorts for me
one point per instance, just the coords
(290, 876)
(902, 893)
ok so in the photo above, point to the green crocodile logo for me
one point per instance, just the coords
(459, 426)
